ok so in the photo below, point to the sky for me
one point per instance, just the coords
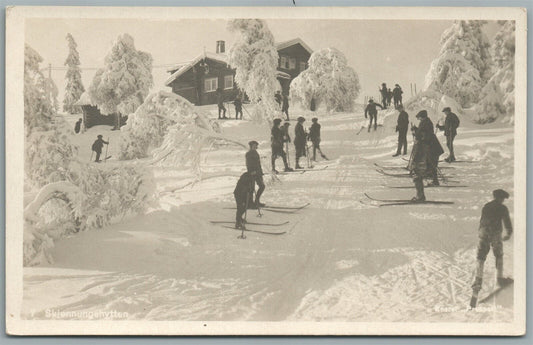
(390, 51)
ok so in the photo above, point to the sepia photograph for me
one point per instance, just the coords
(265, 171)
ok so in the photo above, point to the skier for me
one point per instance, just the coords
(397, 95)
(276, 139)
(285, 106)
(425, 154)
(373, 112)
(300, 138)
(278, 98)
(389, 97)
(253, 166)
(241, 193)
(238, 107)
(450, 131)
(97, 147)
(77, 127)
(384, 94)
(314, 136)
(401, 128)
(220, 103)
(490, 235)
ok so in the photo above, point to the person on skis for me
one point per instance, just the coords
(401, 127)
(397, 95)
(300, 140)
(384, 95)
(253, 167)
(278, 98)
(450, 131)
(389, 97)
(220, 103)
(314, 137)
(242, 192)
(238, 107)
(372, 111)
(276, 139)
(97, 147)
(77, 127)
(425, 155)
(285, 106)
(493, 214)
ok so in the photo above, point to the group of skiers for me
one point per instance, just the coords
(237, 102)
(387, 95)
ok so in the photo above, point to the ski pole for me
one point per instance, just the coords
(259, 214)
(288, 155)
(91, 159)
(106, 147)
(245, 212)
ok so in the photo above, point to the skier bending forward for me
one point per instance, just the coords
(242, 193)
(373, 112)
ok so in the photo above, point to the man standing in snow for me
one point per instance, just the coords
(450, 131)
(77, 127)
(373, 112)
(493, 215)
(314, 136)
(276, 139)
(253, 166)
(300, 138)
(241, 193)
(278, 98)
(401, 127)
(238, 107)
(220, 103)
(285, 106)
(397, 95)
(384, 95)
(97, 147)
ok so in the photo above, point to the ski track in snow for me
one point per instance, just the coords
(340, 260)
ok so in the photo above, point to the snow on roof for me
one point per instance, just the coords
(85, 99)
(182, 68)
(286, 44)
(283, 75)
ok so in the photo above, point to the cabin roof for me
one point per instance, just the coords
(183, 67)
(294, 41)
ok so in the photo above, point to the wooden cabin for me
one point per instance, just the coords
(198, 80)
(93, 117)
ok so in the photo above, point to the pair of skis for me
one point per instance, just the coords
(301, 171)
(399, 202)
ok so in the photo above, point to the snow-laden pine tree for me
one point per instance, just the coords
(255, 58)
(498, 97)
(463, 66)
(121, 86)
(74, 87)
(328, 80)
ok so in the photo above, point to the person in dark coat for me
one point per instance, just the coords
(238, 107)
(242, 192)
(220, 103)
(384, 95)
(373, 112)
(300, 139)
(276, 139)
(278, 98)
(397, 95)
(401, 127)
(77, 127)
(314, 137)
(285, 106)
(425, 154)
(97, 147)
(450, 131)
(490, 230)
(253, 166)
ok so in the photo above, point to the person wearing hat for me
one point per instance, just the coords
(242, 192)
(314, 136)
(493, 214)
(450, 131)
(220, 104)
(397, 95)
(425, 155)
(77, 127)
(97, 147)
(253, 166)
(373, 112)
(238, 106)
(276, 139)
(401, 127)
(300, 139)
(384, 95)
(285, 105)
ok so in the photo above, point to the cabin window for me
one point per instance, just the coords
(283, 62)
(211, 84)
(228, 82)
(292, 63)
(303, 66)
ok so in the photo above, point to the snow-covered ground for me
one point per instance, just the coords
(340, 260)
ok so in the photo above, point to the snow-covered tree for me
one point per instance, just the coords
(255, 58)
(497, 97)
(328, 80)
(74, 88)
(463, 66)
(122, 84)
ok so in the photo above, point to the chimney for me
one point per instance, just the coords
(221, 47)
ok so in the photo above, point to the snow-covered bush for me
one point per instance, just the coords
(255, 58)
(74, 88)
(328, 80)
(125, 80)
(463, 66)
